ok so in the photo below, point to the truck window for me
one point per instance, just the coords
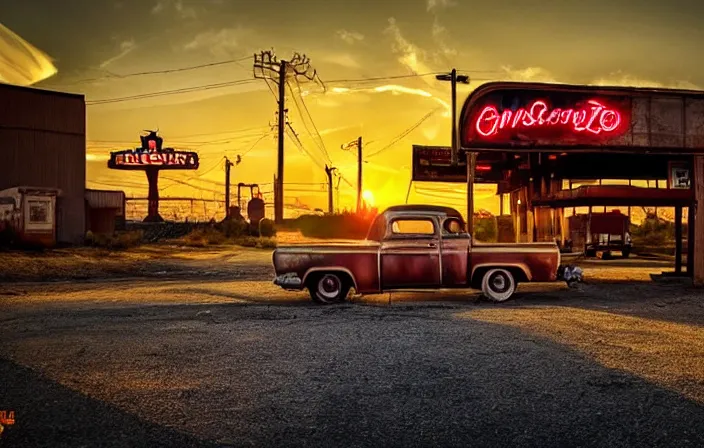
(453, 228)
(413, 227)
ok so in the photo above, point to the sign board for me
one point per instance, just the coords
(679, 175)
(538, 117)
(151, 154)
(434, 164)
(164, 159)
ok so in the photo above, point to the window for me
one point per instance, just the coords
(452, 226)
(38, 212)
(413, 227)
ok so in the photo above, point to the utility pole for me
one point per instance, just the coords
(359, 174)
(329, 171)
(357, 144)
(268, 67)
(454, 78)
(279, 208)
(228, 165)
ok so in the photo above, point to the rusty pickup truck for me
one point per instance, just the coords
(417, 247)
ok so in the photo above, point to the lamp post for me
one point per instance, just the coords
(454, 78)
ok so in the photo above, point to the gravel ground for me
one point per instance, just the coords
(144, 362)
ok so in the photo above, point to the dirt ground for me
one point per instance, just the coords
(199, 348)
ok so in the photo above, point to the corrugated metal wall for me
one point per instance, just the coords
(43, 144)
(106, 199)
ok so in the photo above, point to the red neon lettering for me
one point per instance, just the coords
(594, 118)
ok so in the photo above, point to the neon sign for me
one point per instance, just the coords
(165, 159)
(152, 158)
(151, 154)
(595, 118)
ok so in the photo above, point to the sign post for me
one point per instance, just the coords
(152, 158)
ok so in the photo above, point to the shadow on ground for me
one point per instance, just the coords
(272, 376)
(48, 414)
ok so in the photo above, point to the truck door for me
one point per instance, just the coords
(454, 253)
(410, 254)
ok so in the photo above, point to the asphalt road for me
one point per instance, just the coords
(145, 363)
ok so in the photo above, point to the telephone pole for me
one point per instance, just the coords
(357, 144)
(268, 67)
(279, 199)
(228, 165)
(454, 78)
(329, 171)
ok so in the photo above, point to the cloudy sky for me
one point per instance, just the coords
(359, 48)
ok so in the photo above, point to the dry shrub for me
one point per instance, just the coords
(346, 225)
(233, 228)
(204, 237)
(116, 241)
(266, 228)
(259, 243)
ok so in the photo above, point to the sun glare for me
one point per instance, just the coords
(368, 197)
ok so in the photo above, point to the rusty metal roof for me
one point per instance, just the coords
(105, 198)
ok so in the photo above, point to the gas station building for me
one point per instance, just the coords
(553, 149)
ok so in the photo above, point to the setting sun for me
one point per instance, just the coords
(368, 197)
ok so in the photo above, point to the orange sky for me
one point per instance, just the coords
(129, 50)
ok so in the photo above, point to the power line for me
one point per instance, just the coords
(217, 164)
(297, 141)
(255, 144)
(318, 144)
(298, 84)
(206, 134)
(171, 92)
(100, 144)
(412, 75)
(406, 132)
(193, 186)
(159, 72)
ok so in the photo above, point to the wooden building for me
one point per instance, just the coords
(43, 144)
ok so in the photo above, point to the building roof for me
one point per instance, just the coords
(31, 190)
(41, 91)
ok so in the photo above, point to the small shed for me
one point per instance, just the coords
(105, 211)
(31, 213)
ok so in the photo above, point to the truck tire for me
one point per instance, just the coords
(498, 285)
(328, 288)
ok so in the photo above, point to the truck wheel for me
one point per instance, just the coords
(498, 285)
(328, 289)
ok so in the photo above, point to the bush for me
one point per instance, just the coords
(653, 232)
(233, 228)
(204, 237)
(345, 225)
(259, 243)
(266, 228)
(210, 236)
(116, 241)
(485, 229)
